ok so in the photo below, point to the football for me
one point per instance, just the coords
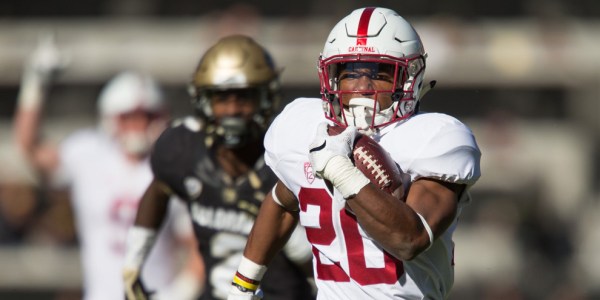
(375, 162)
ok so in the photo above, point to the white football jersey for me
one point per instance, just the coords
(105, 193)
(348, 264)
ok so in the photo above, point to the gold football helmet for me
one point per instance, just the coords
(237, 62)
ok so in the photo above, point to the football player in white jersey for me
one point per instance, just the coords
(367, 244)
(107, 171)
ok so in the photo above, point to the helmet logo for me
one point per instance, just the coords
(362, 33)
(363, 26)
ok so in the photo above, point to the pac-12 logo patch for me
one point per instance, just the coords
(308, 172)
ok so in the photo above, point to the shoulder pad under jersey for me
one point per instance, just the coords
(177, 150)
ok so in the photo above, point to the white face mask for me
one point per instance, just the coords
(359, 113)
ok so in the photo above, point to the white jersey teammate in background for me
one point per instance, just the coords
(366, 243)
(107, 170)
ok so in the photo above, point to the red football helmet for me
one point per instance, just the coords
(383, 40)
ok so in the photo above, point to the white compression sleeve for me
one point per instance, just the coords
(139, 243)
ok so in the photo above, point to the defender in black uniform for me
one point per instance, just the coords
(214, 162)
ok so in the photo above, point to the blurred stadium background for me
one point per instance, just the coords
(523, 74)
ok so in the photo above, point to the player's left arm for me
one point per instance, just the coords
(273, 227)
(445, 169)
(405, 229)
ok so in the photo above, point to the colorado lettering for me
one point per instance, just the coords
(222, 219)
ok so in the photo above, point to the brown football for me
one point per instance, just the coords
(375, 162)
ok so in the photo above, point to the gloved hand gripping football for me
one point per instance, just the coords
(330, 159)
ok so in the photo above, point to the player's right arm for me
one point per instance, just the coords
(153, 206)
(151, 213)
(276, 220)
(167, 162)
(44, 62)
(275, 223)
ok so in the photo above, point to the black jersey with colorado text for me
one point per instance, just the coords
(223, 210)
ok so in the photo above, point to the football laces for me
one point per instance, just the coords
(372, 164)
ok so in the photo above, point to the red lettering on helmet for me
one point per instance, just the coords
(369, 49)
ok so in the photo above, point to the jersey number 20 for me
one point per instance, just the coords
(325, 234)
